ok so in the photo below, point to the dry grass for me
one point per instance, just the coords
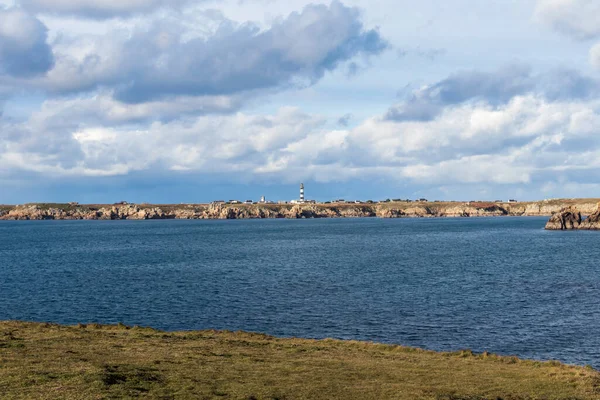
(43, 361)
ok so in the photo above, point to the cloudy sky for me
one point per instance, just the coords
(194, 100)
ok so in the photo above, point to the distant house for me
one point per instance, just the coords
(235, 202)
(218, 202)
(512, 201)
(248, 202)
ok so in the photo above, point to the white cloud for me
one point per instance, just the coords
(98, 9)
(595, 55)
(472, 169)
(526, 141)
(510, 144)
(103, 110)
(237, 142)
(577, 18)
(167, 56)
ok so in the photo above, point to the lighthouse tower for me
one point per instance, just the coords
(302, 193)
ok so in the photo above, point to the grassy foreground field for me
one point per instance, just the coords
(45, 361)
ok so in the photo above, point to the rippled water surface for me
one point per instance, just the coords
(498, 284)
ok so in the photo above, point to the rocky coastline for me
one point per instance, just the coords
(261, 211)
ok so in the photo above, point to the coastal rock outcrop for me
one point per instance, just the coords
(591, 223)
(570, 219)
(566, 219)
(389, 213)
(409, 212)
(34, 212)
(476, 209)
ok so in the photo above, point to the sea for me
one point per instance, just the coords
(503, 285)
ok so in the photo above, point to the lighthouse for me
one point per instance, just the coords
(302, 193)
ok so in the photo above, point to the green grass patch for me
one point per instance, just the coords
(48, 361)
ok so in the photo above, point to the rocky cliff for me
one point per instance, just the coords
(383, 210)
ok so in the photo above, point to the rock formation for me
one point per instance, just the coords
(567, 219)
(570, 219)
(592, 222)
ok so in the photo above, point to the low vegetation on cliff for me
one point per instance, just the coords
(46, 361)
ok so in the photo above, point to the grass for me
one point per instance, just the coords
(46, 361)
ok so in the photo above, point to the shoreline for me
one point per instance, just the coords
(51, 211)
(43, 360)
(475, 217)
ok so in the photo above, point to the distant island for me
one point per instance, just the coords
(222, 210)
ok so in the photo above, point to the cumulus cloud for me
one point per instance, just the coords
(161, 58)
(228, 143)
(528, 140)
(98, 9)
(24, 51)
(579, 19)
(495, 88)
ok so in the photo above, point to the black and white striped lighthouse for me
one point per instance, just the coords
(302, 193)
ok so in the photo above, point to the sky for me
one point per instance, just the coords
(183, 101)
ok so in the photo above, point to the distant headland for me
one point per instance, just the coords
(258, 210)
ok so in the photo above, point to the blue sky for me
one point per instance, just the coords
(194, 100)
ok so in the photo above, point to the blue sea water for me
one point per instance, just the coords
(498, 284)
